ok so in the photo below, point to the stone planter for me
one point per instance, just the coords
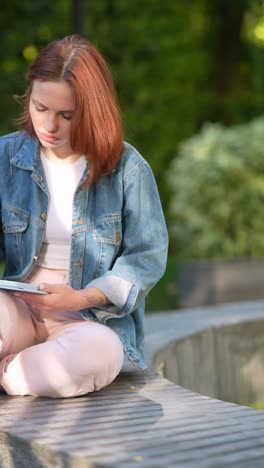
(216, 282)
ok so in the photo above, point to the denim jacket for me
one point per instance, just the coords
(119, 237)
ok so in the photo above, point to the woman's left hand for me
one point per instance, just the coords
(63, 297)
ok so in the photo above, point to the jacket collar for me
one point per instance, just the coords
(25, 152)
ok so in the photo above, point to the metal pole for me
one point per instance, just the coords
(77, 16)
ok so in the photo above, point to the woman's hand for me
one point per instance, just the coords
(62, 297)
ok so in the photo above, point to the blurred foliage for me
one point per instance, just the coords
(25, 28)
(217, 181)
(164, 296)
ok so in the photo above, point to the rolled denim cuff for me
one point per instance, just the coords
(121, 293)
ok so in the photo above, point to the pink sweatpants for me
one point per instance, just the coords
(54, 354)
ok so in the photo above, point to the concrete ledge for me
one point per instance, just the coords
(217, 351)
(141, 420)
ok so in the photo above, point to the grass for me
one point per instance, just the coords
(257, 405)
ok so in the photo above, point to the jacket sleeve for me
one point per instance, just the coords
(143, 257)
(2, 244)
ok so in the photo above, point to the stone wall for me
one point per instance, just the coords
(223, 361)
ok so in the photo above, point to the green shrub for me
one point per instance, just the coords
(217, 183)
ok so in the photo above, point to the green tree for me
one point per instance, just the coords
(25, 28)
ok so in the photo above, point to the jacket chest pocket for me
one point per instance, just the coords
(14, 225)
(108, 232)
(107, 236)
(14, 220)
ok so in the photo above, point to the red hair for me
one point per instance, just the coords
(96, 129)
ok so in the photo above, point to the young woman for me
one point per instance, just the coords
(81, 218)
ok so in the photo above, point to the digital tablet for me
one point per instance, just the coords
(22, 287)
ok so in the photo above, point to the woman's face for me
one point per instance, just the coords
(51, 108)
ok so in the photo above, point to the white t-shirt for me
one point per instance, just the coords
(62, 180)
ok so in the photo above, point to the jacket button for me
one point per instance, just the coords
(118, 237)
(44, 216)
(78, 264)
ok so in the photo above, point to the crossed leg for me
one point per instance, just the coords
(68, 360)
